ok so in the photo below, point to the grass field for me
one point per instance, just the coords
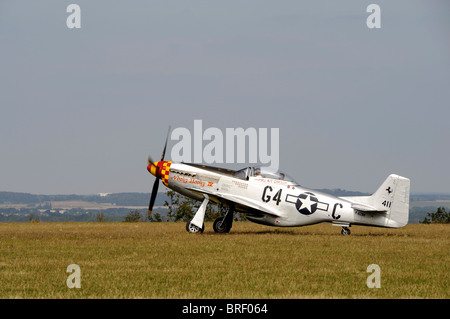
(161, 260)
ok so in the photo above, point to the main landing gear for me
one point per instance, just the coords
(191, 228)
(345, 231)
(224, 223)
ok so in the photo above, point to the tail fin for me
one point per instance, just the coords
(393, 196)
(391, 199)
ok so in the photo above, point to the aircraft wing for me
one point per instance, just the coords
(241, 200)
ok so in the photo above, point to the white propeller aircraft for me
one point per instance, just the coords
(273, 198)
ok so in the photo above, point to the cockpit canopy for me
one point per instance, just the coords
(263, 172)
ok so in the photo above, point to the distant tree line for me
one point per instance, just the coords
(71, 215)
(120, 199)
(134, 216)
(438, 217)
(182, 208)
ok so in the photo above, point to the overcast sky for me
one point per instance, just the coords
(81, 109)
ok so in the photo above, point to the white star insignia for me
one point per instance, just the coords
(307, 203)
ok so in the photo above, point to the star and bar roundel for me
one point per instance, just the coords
(306, 203)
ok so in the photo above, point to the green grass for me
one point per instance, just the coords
(162, 260)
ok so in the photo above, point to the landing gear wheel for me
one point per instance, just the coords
(191, 228)
(224, 223)
(345, 231)
(220, 226)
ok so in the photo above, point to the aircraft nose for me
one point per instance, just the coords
(154, 169)
(160, 170)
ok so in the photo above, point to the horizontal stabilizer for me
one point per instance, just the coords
(366, 208)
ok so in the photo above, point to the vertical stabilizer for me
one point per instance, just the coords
(393, 196)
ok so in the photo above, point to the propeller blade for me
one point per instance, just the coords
(156, 183)
(153, 196)
(165, 145)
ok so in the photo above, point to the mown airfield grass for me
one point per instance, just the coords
(162, 260)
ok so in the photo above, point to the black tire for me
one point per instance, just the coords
(345, 231)
(221, 226)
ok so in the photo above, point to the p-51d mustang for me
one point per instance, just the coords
(275, 199)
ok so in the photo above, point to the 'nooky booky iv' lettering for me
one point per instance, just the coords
(232, 150)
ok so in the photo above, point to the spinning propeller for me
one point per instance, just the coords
(154, 168)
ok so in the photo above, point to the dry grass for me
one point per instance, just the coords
(161, 260)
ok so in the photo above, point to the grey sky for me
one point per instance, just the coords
(82, 109)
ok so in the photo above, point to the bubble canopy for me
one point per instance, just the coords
(263, 172)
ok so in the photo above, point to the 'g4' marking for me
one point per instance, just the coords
(266, 197)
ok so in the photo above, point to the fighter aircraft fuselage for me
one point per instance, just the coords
(275, 199)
